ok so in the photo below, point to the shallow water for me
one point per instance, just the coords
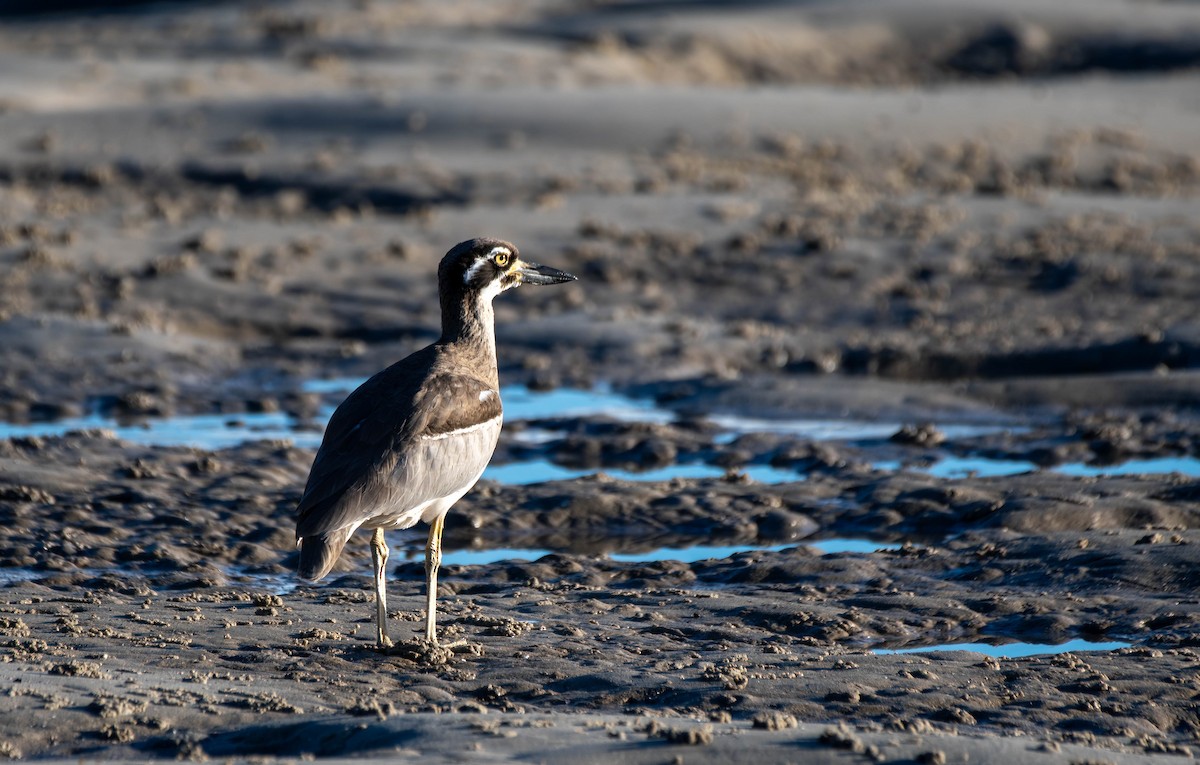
(837, 430)
(963, 467)
(16, 575)
(204, 431)
(1011, 650)
(702, 552)
(986, 467)
(540, 471)
(282, 584)
(684, 555)
(1189, 466)
(838, 545)
(521, 403)
(276, 584)
(215, 431)
(218, 431)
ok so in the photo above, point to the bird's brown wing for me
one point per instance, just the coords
(364, 459)
(456, 402)
(359, 434)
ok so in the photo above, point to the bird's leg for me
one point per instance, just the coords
(379, 559)
(433, 559)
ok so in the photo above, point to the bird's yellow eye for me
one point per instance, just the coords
(501, 259)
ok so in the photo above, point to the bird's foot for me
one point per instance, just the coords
(384, 644)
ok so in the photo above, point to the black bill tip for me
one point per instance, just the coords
(535, 273)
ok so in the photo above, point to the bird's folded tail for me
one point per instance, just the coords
(318, 553)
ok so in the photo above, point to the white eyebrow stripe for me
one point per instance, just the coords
(487, 395)
(474, 269)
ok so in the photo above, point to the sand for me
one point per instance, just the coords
(968, 228)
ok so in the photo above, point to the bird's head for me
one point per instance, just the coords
(487, 267)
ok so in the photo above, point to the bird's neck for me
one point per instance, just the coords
(471, 325)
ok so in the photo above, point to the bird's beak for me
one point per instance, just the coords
(535, 273)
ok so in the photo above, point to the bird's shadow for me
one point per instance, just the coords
(318, 738)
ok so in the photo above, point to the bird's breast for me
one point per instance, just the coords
(434, 473)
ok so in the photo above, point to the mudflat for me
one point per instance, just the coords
(870, 431)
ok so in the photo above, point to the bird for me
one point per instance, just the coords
(409, 442)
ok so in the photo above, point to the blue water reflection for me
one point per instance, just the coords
(1189, 466)
(540, 471)
(1011, 650)
(684, 555)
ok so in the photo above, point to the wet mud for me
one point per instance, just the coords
(889, 312)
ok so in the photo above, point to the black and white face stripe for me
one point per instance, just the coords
(487, 260)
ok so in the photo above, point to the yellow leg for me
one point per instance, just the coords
(433, 559)
(379, 559)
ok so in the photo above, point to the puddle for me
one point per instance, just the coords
(1189, 466)
(285, 584)
(1011, 650)
(837, 545)
(206, 431)
(521, 403)
(982, 467)
(342, 385)
(276, 584)
(697, 553)
(484, 557)
(540, 471)
(701, 552)
(17, 575)
(985, 467)
(684, 555)
(837, 430)
(218, 431)
(963, 467)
